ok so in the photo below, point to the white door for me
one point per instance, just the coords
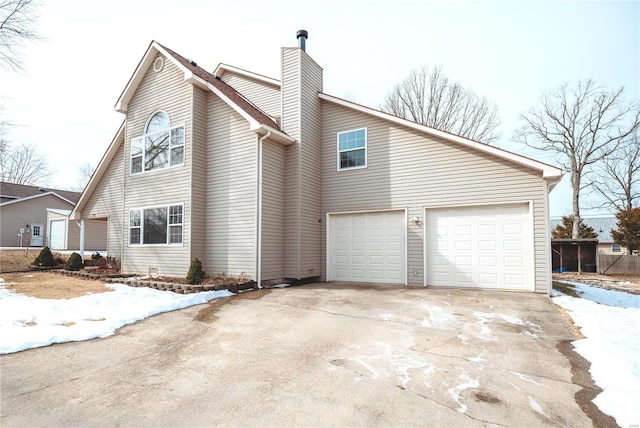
(37, 235)
(56, 234)
(367, 247)
(485, 247)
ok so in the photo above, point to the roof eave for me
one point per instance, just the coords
(76, 213)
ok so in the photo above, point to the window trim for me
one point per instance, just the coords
(169, 148)
(168, 225)
(616, 248)
(365, 148)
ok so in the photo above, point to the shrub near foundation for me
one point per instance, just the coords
(196, 274)
(45, 258)
(74, 262)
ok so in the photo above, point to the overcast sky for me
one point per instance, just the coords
(507, 51)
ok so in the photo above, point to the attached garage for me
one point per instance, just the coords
(367, 247)
(483, 247)
(57, 234)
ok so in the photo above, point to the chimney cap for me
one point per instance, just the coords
(302, 33)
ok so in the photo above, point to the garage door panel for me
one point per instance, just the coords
(480, 247)
(373, 243)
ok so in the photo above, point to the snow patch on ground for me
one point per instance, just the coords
(536, 406)
(27, 322)
(455, 392)
(610, 322)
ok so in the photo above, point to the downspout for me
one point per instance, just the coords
(259, 212)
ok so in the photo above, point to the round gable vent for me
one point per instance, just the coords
(158, 64)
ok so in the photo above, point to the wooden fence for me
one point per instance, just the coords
(618, 264)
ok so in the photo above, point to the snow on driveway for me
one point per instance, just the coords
(610, 322)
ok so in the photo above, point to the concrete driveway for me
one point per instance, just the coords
(314, 355)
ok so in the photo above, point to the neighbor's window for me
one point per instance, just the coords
(157, 225)
(161, 146)
(616, 248)
(352, 149)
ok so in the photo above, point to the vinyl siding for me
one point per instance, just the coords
(231, 192)
(273, 161)
(20, 214)
(265, 96)
(199, 176)
(95, 233)
(291, 125)
(302, 119)
(407, 169)
(168, 92)
(107, 201)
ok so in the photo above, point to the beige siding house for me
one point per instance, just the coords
(23, 213)
(275, 180)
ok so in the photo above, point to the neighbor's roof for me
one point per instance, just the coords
(11, 192)
(601, 225)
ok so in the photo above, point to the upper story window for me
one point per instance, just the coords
(161, 146)
(352, 149)
(156, 225)
(616, 248)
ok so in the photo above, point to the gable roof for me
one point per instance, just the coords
(108, 156)
(551, 173)
(12, 193)
(258, 120)
(222, 68)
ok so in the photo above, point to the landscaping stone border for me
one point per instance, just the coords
(134, 281)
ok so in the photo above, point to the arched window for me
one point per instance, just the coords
(158, 122)
(161, 145)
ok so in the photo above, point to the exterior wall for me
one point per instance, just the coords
(302, 119)
(20, 214)
(265, 96)
(605, 248)
(273, 210)
(166, 91)
(107, 202)
(199, 175)
(95, 233)
(231, 192)
(406, 169)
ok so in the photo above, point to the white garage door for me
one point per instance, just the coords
(367, 247)
(487, 247)
(56, 234)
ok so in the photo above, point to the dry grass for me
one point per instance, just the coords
(45, 285)
(16, 260)
(628, 283)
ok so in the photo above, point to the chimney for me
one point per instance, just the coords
(302, 35)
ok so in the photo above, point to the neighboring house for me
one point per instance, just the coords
(23, 213)
(64, 234)
(602, 225)
(274, 179)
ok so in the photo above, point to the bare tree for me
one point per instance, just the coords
(17, 22)
(24, 165)
(427, 97)
(85, 171)
(582, 124)
(617, 178)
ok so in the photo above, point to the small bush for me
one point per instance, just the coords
(74, 262)
(196, 274)
(96, 256)
(45, 258)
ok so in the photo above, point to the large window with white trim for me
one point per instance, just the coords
(156, 225)
(352, 149)
(161, 145)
